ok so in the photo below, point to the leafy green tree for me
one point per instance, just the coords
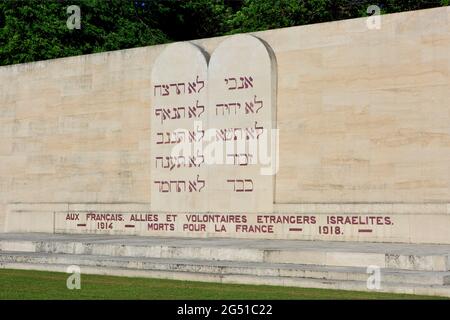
(270, 14)
(255, 15)
(36, 29)
(186, 20)
(392, 6)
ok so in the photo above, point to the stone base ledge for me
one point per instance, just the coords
(403, 223)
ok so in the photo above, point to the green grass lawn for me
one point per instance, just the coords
(24, 284)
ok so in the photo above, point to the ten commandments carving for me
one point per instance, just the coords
(214, 143)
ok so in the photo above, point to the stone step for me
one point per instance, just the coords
(395, 281)
(319, 253)
(229, 267)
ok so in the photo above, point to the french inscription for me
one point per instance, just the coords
(277, 226)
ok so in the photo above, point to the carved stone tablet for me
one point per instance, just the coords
(241, 90)
(179, 113)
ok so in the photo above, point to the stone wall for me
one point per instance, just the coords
(363, 118)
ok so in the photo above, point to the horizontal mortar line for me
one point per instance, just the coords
(275, 203)
(347, 213)
(374, 203)
(74, 203)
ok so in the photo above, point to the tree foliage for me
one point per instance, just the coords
(33, 30)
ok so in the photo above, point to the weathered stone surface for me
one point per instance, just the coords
(179, 112)
(363, 120)
(417, 269)
(242, 103)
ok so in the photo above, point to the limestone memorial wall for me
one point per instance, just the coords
(333, 131)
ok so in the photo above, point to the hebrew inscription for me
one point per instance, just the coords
(241, 92)
(179, 104)
(212, 128)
